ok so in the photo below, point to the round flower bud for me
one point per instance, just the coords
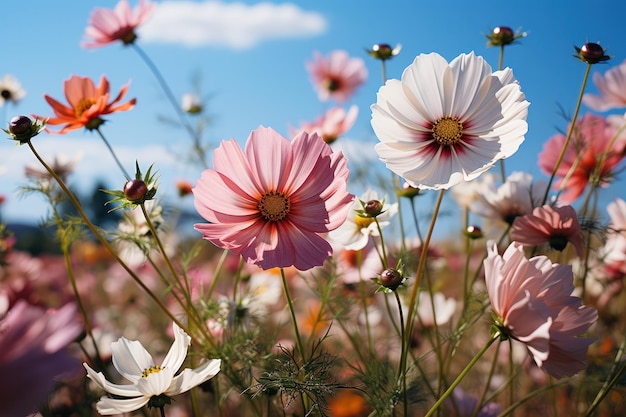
(473, 232)
(135, 190)
(384, 51)
(502, 35)
(20, 125)
(592, 53)
(391, 278)
(373, 208)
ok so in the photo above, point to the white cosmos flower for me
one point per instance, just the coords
(355, 232)
(443, 123)
(135, 364)
(10, 90)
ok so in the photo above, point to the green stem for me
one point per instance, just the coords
(106, 243)
(568, 137)
(462, 375)
(618, 369)
(117, 161)
(170, 96)
(292, 313)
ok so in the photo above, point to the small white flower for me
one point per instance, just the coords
(10, 90)
(191, 103)
(356, 230)
(444, 309)
(135, 364)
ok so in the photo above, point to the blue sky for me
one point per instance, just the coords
(253, 71)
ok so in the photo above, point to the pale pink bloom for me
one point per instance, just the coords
(533, 303)
(34, 354)
(617, 213)
(107, 26)
(468, 192)
(443, 123)
(553, 225)
(271, 201)
(336, 76)
(592, 144)
(519, 195)
(444, 309)
(612, 88)
(355, 232)
(332, 124)
(613, 252)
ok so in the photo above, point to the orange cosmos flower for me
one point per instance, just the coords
(86, 104)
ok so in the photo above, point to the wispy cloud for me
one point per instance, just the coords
(229, 25)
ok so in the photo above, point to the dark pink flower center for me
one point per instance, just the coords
(274, 206)
(447, 130)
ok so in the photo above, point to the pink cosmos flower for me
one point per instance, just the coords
(336, 76)
(444, 123)
(107, 26)
(332, 124)
(592, 144)
(553, 225)
(533, 303)
(33, 354)
(270, 201)
(612, 87)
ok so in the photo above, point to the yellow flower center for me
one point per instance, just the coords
(151, 370)
(274, 206)
(363, 222)
(447, 130)
(82, 105)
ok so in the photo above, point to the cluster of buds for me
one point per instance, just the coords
(23, 129)
(503, 35)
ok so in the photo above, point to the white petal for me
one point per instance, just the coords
(110, 406)
(129, 390)
(190, 378)
(178, 352)
(155, 383)
(130, 358)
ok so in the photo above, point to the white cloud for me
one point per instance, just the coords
(230, 25)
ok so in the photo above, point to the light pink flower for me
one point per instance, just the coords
(592, 143)
(33, 354)
(270, 201)
(332, 124)
(336, 76)
(612, 88)
(443, 123)
(553, 225)
(107, 26)
(533, 303)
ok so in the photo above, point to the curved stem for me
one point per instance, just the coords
(106, 243)
(170, 96)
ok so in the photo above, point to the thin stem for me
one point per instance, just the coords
(117, 161)
(462, 375)
(292, 313)
(106, 243)
(617, 371)
(569, 136)
(170, 96)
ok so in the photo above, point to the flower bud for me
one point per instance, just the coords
(135, 190)
(391, 278)
(473, 232)
(20, 125)
(384, 51)
(23, 129)
(408, 191)
(373, 208)
(503, 35)
(591, 53)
